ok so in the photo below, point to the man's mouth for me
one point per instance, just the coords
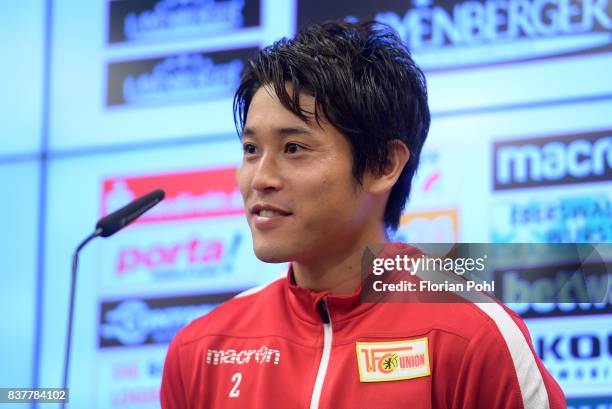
(267, 215)
(268, 210)
(270, 213)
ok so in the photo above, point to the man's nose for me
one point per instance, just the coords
(267, 175)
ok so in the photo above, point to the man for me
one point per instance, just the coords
(332, 125)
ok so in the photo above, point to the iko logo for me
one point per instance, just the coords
(581, 346)
(136, 20)
(553, 161)
(447, 34)
(151, 321)
(577, 351)
(263, 355)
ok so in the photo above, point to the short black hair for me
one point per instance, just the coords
(364, 82)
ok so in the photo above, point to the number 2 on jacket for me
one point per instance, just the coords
(236, 378)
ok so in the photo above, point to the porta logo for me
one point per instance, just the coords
(393, 361)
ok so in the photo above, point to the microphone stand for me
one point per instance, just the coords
(106, 226)
(75, 264)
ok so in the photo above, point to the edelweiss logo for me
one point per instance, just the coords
(262, 355)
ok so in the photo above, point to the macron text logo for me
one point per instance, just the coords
(553, 161)
(262, 355)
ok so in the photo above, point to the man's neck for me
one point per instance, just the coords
(339, 273)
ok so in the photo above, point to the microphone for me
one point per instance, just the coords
(106, 226)
(116, 221)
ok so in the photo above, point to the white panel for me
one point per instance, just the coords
(22, 32)
(18, 250)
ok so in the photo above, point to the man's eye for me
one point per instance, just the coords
(249, 149)
(293, 148)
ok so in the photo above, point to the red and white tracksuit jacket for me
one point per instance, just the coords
(284, 346)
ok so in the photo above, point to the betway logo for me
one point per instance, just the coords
(189, 195)
(193, 251)
(262, 355)
(445, 34)
(565, 293)
(553, 161)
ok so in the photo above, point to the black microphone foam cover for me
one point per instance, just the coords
(117, 220)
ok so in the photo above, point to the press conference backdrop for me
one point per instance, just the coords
(103, 101)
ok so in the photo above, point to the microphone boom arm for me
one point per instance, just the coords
(75, 265)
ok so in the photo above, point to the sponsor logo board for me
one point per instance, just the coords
(577, 351)
(175, 78)
(158, 20)
(455, 34)
(600, 402)
(132, 397)
(203, 252)
(553, 218)
(136, 321)
(563, 290)
(120, 368)
(197, 235)
(435, 226)
(190, 195)
(551, 161)
(129, 378)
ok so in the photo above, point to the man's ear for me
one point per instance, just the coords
(398, 155)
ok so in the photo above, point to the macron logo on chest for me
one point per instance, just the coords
(263, 355)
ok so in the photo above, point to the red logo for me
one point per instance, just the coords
(189, 195)
(384, 360)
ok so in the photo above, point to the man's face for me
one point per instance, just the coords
(301, 199)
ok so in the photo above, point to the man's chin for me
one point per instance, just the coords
(270, 253)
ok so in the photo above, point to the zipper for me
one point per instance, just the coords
(327, 341)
